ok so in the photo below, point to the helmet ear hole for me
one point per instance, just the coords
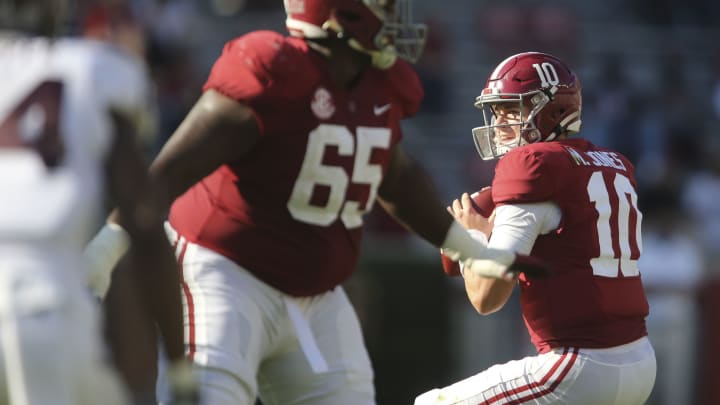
(532, 135)
(537, 99)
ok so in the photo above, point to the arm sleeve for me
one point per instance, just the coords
(518, 226)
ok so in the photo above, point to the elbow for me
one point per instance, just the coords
(487, 295)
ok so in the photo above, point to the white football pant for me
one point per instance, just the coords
(248, 339)
(51, 351)
(622, 375)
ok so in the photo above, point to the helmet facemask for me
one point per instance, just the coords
(399, 34)
(382, 29)
(494, 139)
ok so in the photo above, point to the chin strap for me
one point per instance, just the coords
(324, 50)
(381, 59)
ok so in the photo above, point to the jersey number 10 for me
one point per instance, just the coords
(620, 245)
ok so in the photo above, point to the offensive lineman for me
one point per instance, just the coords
(292, 141)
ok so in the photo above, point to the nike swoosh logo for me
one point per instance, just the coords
(380, 110)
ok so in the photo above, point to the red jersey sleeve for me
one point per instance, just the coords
(261, 69)
(407, 88)
(519, 178)
(238, 72)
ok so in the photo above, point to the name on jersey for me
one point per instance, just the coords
(596, 158)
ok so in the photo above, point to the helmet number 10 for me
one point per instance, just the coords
(547, 73)
(314, 172)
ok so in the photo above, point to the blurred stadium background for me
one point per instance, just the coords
(651, 76)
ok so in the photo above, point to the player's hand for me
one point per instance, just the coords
(467, 215)
(184, 387)
(450, 267)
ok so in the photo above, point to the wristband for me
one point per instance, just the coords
(460, 245)
(495, 266)
(479, 236)
(101, 255)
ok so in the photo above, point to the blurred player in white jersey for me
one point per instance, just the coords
(68, 116)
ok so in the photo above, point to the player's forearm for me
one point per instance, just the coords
(124, 228)
(161, 290)
(430, 224)
(216, 131)
(427, 218)
(487, 295)
(409, 196)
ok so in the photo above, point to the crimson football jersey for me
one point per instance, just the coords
(595, 296)
(291, 211)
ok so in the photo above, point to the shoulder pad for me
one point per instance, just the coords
(257, 63)
(406, 87)
(522, 176)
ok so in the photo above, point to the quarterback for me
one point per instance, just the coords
(573, 205)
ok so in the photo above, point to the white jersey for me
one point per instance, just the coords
(55, 133)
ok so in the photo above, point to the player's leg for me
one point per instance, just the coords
(226, 313)
(622, 375)
(95, 380)
(49, 336)
(565, 376)
(535, 378)
(33, 360)
(325, 361)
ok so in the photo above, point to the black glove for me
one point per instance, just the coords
(532, 267)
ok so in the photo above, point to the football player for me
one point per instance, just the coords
(69, 110)
(574, 205)
(292, 141)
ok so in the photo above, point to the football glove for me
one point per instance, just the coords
(102, 254)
